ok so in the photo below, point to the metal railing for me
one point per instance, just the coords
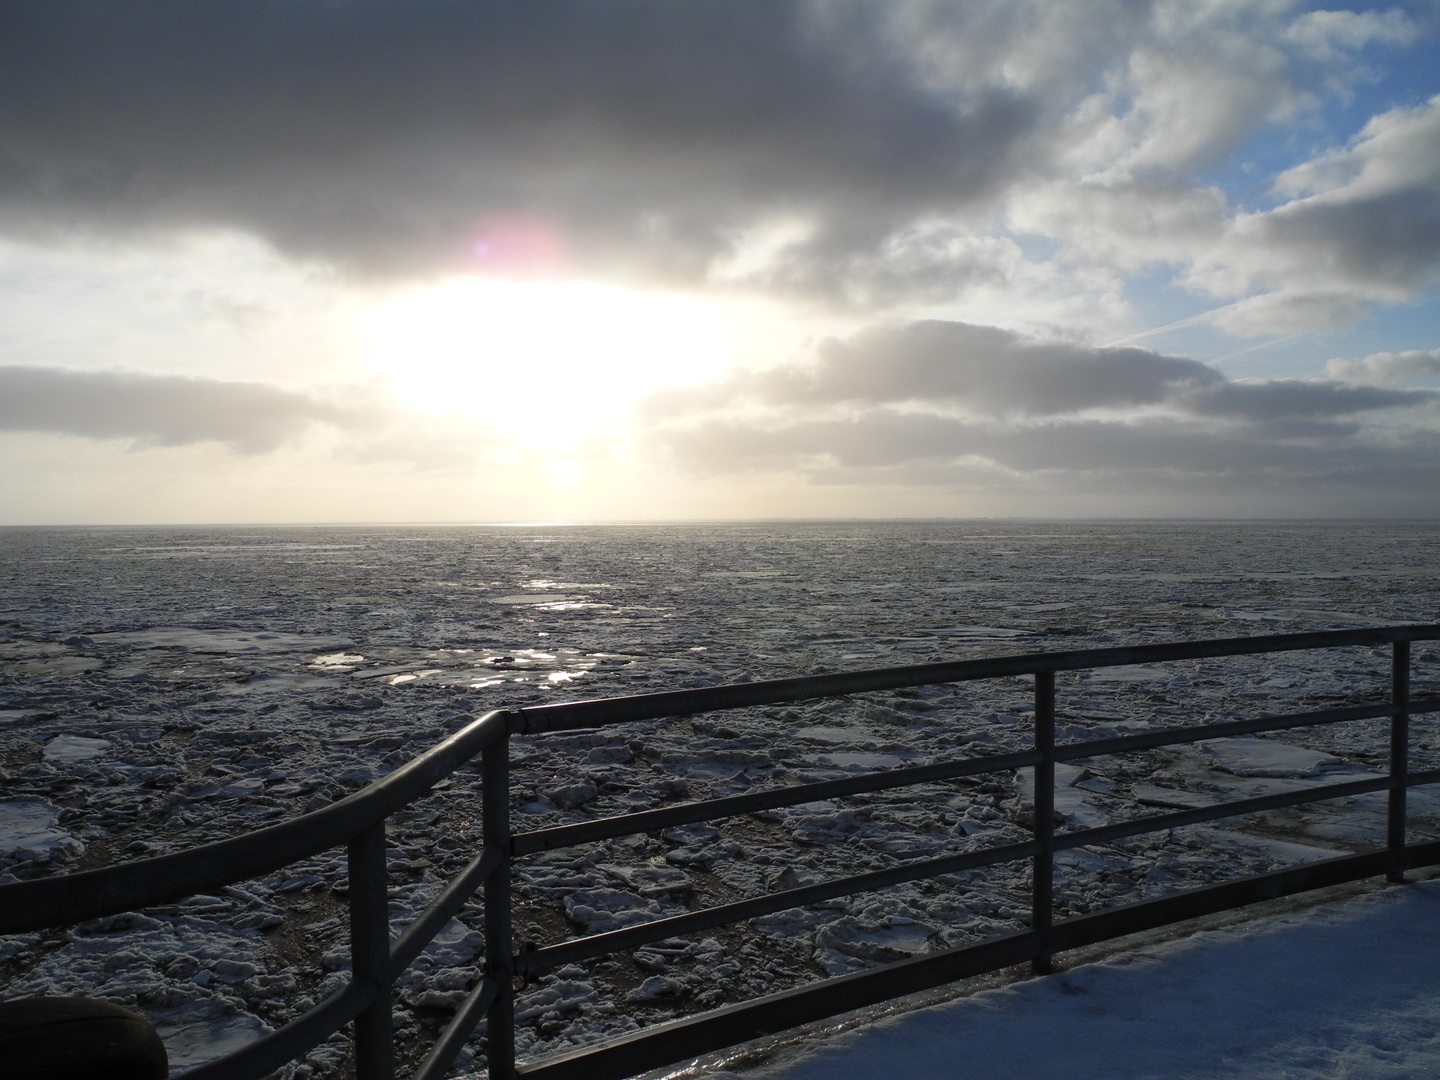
(358, 821)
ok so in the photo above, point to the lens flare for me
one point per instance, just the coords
(519, 247)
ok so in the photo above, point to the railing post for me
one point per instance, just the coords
(499, 959)
(1043, 875)
(1399, 756)
(370, 952)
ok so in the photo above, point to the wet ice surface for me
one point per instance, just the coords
(165, 688)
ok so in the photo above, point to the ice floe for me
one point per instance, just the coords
(67, 748)
(1265, 757)
(29, 828)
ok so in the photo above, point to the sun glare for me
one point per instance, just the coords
(548, 364)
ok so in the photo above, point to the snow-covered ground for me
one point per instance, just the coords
(1350, 989)
(160, 689)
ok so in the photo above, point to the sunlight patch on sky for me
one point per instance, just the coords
(550, 364)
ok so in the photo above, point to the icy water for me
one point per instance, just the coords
(160, 688)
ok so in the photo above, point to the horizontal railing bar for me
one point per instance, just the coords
(653, 820)
(422, 931)
(1077, 751)
(602, 711)
(72, 898)
(1106, 834)
(587, 948)
(668, 817)
(31, 905)
(466, 1019)
(299, 1036)
(678, 1040)
(734, 1024)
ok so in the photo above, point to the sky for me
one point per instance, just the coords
(533, 260)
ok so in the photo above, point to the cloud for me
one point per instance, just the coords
(1369, 214)
(160, 410)
(1141, 452)
(1362, 225)
(863, 154)
(992, 372)
(385, 136)
(934, 401)
(1387, 367)
(360, 423)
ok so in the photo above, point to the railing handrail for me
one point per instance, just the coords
(94, 894)
(358, 821)
(599, 712)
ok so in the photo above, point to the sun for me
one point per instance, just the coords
(549, 365)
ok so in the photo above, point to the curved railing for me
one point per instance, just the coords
(358, 821)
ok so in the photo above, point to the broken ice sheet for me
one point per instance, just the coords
(834, 735)
(30, 828)
(864, 761)
(1282, 852)
(1130, 673)
(975, 632)
(1248, 756)
(195, 1035)
(226, 642)
(339, 661)
(601, 910)
(69, 748)
(55, 667)
(1080, 808)
(850, 944)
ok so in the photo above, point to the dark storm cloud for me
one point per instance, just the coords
(989, 371)
(931, 401)
(1295, 399)
(1374, 216)
(1390, 239)
(381, 135)
(157, 410)
(1076, 459)
(885, 439)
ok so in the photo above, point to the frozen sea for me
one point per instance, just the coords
(160, 688)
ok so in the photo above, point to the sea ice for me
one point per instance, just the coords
(1265, 757)
(28, 828)
(601, 910)
(69, 748)
(298, 667)
(223, 642)
(194, 1036)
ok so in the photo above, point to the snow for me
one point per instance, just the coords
(1344, 990)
